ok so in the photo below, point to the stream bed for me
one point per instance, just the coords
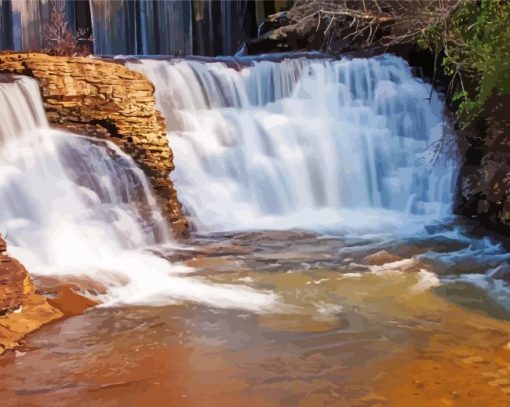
(356, 320)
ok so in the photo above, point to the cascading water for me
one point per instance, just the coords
(349, 147)
(24, 23)
(142, 27)
(303, 142)
(184, 27)
(76, 206)
(221, 26)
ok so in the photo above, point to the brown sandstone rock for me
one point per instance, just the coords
(106, 100)
(21, 309)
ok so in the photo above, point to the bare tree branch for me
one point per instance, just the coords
(401, 20)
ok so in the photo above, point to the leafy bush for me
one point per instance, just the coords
(475, 43)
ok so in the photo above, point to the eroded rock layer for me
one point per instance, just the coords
(106, 100)
(21, 309)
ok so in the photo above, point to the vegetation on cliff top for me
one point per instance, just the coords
(474, 42)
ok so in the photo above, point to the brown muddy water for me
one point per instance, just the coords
(355, 326)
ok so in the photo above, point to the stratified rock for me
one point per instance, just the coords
(21, 309)
(107, 100)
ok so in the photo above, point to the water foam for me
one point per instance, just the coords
(316, 143)
(71, 206)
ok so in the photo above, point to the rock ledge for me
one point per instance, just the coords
(107, 100)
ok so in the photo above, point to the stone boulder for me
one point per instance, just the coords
(21, 309)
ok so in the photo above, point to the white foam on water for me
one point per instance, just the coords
(426, 281)
(322, 144)
(73, 206)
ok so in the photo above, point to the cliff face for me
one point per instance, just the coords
(106, 100)
(21, 309)
(484, 182)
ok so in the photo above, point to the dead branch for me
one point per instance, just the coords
(364, 21)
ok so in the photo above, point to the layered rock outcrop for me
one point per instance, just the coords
(21, 309)
(107, 100)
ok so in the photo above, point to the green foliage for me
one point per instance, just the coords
(475, 39)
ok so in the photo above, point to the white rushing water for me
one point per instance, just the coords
(73, 206)
(303, 143)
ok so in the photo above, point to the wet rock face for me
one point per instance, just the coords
(21, 309)
(484, 180)
(106, 100)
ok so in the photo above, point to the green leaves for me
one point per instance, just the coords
(476, 44)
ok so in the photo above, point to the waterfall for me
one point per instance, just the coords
(142, 27)
(303, 142)
(222, 26)
(28, 18)
(74, 206)
(207, 27)
(6, 25)
(145, 27)
(24, 23)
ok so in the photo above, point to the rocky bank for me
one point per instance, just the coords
(21, 309)
(106, 100)
(484, 182)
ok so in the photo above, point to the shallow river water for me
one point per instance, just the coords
(350, 325)
(382, 307)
